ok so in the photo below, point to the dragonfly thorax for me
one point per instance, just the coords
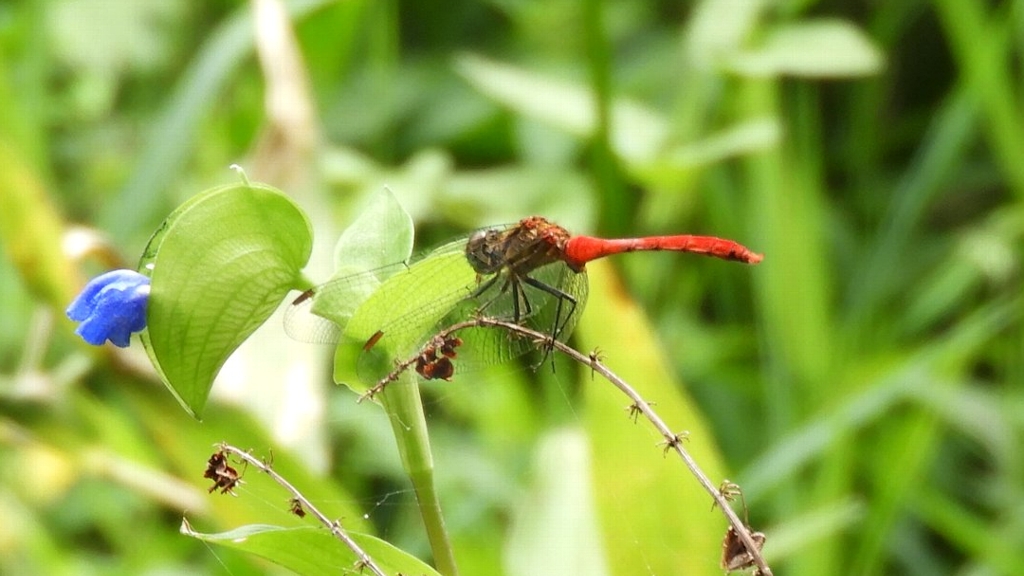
(532, 243)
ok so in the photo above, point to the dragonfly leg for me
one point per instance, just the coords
(562, 297)
(484, 287)
(524, 310)
(559, 324)
(521, 307)
(487, 286)
(516, 295)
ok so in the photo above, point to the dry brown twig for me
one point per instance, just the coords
(299, 502)
(752, 541)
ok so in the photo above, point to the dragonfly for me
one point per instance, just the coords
(532, 273)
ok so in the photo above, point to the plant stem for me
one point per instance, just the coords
(673, 441)
(405, 411)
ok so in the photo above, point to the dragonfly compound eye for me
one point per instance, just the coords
(484, 253)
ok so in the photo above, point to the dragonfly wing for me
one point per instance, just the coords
(565, 319)
(406, 309)
(485, 346)
(302, 325)
(318, 314)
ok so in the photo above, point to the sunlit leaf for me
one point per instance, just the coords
(382, 234)
(638, 490)
(134, 35)
(637, 132)
(742, 138)
(816, 49)
(555, 530)
(220, 264)
(720, 27)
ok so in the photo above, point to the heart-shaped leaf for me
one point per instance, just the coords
(219, 266)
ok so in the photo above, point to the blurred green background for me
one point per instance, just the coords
(863, 384)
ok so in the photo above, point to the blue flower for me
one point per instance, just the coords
(111, 307)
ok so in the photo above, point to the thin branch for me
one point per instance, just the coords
(673, 441)
(333, 525)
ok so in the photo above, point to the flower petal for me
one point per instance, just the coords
(111, 307)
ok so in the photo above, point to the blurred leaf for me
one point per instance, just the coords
(797, 533)
(813, 49)
(170, 135)
(220, 265)
(743, 138)
(136, 33)
(790, 454)
(514, 190)
(720, 27)
(637, 133)
(555, 527)
(640, 492)
(678, 163)
(313, 550)
(32, 231)
(983, 59)
(966, 532)
(977, 413)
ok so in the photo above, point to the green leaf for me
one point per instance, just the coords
(556, 528)
(721, 26)
(638, 133)
(742, 138)
(405, 309)
(220, 264)
(134, 38)
(665, 511)
(814, 49)
(313, 550)
(382, 234)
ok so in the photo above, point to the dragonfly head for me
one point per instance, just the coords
(485, 252)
